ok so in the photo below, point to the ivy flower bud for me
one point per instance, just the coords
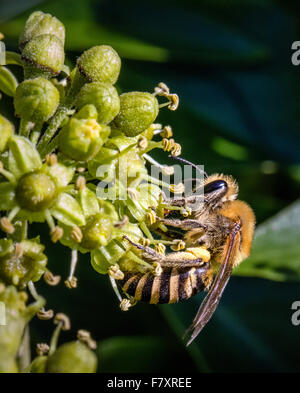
(100, 64)
(35, 191)
(36, 100)
(138, 111)
(40, 23)
(105, 98)
(43, 56)
(81, 139)
(97, 232)
(73, 357)
(6, 132)
(21, 262)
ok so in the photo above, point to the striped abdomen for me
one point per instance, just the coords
(171, 286)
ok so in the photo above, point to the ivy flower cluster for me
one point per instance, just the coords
(76, 162)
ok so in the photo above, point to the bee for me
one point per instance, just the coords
(218, 237)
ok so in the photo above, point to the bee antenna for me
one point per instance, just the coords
(189, 163)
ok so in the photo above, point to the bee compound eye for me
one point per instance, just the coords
(216, 185)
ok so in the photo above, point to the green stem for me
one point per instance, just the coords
(25, 127)
(52, 145)
(54, 125)
(24, 353)
(54, 338)
(36, 132)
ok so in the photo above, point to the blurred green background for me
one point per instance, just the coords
(230, 64)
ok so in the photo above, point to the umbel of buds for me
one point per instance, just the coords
(76, 164)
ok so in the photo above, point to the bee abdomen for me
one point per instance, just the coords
(171, 286)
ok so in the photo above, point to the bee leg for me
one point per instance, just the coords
(147, 250)
(186, 225)
(181, 202)
(191, 257)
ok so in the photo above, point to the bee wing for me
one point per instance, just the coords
(214, 295)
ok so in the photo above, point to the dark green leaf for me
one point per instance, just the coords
(276, 248)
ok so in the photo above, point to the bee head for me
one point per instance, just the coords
(219, 189)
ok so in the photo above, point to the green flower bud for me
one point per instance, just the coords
(38, 365)
(73, 357)
(100, 64)
(21, 262)
(81, 139)
(105, 98)
(97, 231)
(6, 132)
(17, 316)
(36, 100)
(36, 191)
(88, 111)
(43, 56)
(40, 23)
(137, 112)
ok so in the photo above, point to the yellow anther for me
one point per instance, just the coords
(144, 242)
(178, 245)
(56, 234)
(50, 279)
(125, 305)
(42, 349)
(157, 269)
(51, 159)
(151, 217)
(71, 282)
(18, 250)
(45, 315)
(142, 143)
(160, 248)
(186, 212)
(167, 132)
(6, 225)
(162, 89)
(64, 320)
(115, 272)
(174, 102)
(76, 234)
(80, 183)
(85, 337)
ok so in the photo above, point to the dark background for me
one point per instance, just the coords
(230, 64)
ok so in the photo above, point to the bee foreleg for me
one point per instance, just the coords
(186, 225)
(147, 250)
